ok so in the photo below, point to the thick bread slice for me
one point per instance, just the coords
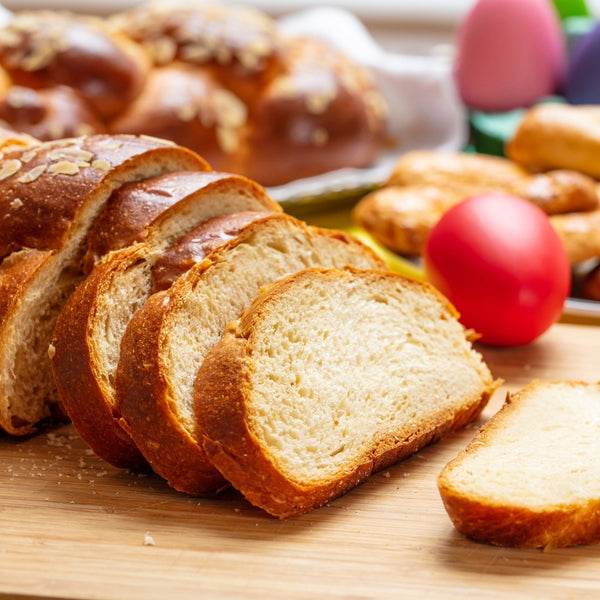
(166, 341)
(89, 330)
(330, 375)
(50, 196)
(531, 476)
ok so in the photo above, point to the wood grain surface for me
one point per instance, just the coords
(71, 526)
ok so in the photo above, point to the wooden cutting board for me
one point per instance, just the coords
(72, 526)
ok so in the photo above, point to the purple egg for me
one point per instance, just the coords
(582, 83)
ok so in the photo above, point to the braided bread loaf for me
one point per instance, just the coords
(221, 80)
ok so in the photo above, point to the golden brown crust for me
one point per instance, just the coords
(47, 48)
(81, 387)
(53, 182)
(179, 102)
(223, 389)
(462, 171)
(48, 114)
(154, 427)
(221, 80)
(342, 123)
(503, 522)
(521, 528)
(558, 136)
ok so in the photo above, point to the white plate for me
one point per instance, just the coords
(577, 307)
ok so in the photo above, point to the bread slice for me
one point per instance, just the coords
(530, 477)
(167, 339)
(160, 210)
(88, 332)
(50, 195)
(329, 376)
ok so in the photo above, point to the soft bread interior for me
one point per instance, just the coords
(340, 371)
(207, 304)
(516, 461)
(129, 285)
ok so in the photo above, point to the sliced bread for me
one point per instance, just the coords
(88, 332)
(531, 476)
(50, 195)
(329, 376)
(168, 338)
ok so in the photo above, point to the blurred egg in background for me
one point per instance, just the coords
(582, 84)
(509, 54)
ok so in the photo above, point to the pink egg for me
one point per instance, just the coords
(510, 53)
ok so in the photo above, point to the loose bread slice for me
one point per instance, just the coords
(89, 330)
(50, 195)
(328, 376)
(531, 477)
(167, 339)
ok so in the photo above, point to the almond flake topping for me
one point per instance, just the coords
(112, 144)
(186, 112)
(101, 165)
(228, 139)
(196, 53)
(10, 167)
(162, 50)
(32, 175)
(153, 138)
(320, 137)
(317, 104)
(27, 156)
(64, 167)
(71, 153)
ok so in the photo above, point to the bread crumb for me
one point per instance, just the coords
(387, 474)
(51, 351)
(148, 539)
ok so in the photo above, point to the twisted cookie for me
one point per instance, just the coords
(426, 184)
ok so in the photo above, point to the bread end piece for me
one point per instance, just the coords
(529, 478)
